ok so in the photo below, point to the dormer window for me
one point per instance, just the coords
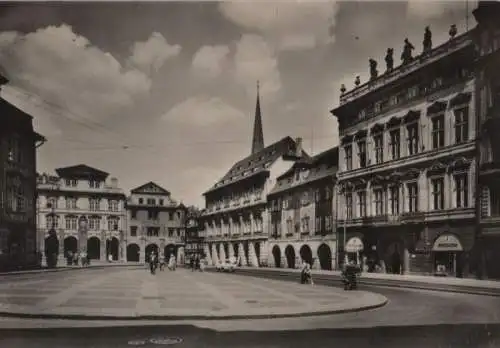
(94, 184)
(362, 114)
(437, 82)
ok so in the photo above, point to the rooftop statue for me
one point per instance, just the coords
(373, 69)
(427, 40)
(406, 55)
(389, 59)
(342, 89)
(453, 31)
(357, 81)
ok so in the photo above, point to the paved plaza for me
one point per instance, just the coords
(118, 293)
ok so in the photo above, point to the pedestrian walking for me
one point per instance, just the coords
(197, 262)
(152, 263)
(162, 262)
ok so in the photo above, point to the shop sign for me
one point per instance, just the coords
(447, 242)
(354, 245)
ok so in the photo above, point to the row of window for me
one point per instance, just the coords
(71, 223)
(94, 204)
(151, 201)
(295, 201)
(411, 195)
(16, 199)
(237, 198)
(155, 231)
(413, 140)
(304, 226)
(154, 215)
(244, 227)
(405, 95)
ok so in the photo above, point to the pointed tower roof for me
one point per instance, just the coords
(258, 135)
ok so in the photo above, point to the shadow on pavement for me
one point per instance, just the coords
(189, 336)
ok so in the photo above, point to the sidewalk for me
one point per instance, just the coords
(449, 284)
(93, 265)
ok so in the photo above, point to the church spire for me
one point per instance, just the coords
(258, 136)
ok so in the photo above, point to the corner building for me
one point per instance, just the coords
(235, 219)
(302, 214)
(407, 163)
(487, 35)
(85, 212)
(18, 143)
(156, 224)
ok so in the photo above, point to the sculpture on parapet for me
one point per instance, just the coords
(453, 31)
(389, 59)
(427, 40)
(406, 55)
(373, 69)
(342, 89)
(357, 81)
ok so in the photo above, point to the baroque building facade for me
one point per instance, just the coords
(407, 162)
(302, 214)
(18, 143)
(235, 219)
(156, 224)
(195, 247)
(85, 212)
(487, 35)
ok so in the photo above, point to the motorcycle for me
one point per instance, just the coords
(350, 282)
(349, 277)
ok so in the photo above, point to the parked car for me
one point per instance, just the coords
(225, 266)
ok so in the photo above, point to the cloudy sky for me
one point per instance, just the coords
(165, 91)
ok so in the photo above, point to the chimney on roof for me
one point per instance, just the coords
(258, 134)
(114, 183)
(298, 147)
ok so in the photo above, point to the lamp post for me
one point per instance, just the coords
(52, 249)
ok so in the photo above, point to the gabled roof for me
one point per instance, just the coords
(324, 164)
(81, 171)
(151, 188)
(257, 162)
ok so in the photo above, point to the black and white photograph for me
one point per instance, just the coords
(250, 173)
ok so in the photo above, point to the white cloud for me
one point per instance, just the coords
(211, 60)
(151, 54)
(290, 25)
(65, 69)
(428, 9)
(203, 111)
(255, 60)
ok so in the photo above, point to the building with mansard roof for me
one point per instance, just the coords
(156, 223)
(18, 144)
(487, 36)
(408, 161)
(85, 210)
(302, 209)
(235, 219)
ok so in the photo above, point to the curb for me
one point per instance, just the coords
(190, 317)
(64, 269)
(334, 280)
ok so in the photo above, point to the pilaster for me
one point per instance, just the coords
(222, 252)
(241, 254)
(252, 256)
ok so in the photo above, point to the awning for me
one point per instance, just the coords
(447, 243)
(354, 245)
